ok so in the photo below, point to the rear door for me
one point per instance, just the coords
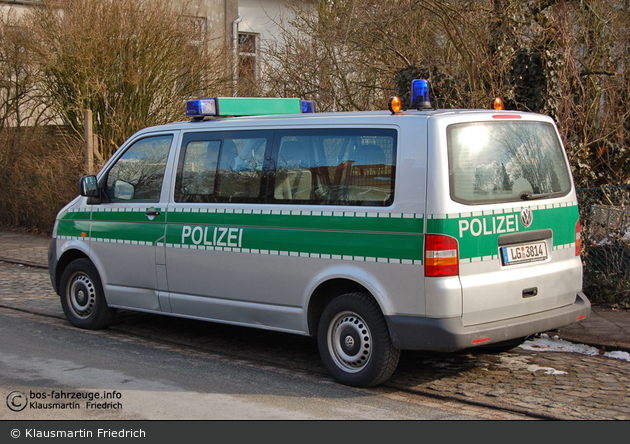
(513, 210)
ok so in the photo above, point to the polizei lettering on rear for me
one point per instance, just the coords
(489, 225)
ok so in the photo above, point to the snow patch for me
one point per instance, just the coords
(618, 355)
(546, 343)
(548, 370)
(514, 362)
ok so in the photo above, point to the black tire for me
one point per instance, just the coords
(354, 341)
(82, 296)
(501, 347)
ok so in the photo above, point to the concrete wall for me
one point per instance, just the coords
(219, 14)
(261, 16)
(15, 8)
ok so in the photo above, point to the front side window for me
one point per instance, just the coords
(491, 162)
(138, 174)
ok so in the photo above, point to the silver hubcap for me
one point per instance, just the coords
(349, 342)
(81, 295)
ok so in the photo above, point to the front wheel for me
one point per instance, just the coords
(82, 297)
(354, 341)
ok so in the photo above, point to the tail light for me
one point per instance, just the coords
(441, 256)
(578, 238)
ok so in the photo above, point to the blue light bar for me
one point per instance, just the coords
(420, 94)
(308, 106)
(201, 108)
(242, 106)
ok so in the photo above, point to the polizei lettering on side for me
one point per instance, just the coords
(213, 236)
(489, 225)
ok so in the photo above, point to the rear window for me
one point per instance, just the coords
(491, 162)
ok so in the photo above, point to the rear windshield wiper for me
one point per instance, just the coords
(526, 195)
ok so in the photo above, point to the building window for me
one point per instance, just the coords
(247, 66)
(247, 44)
(196, 27)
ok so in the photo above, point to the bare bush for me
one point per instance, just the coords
(605, 218)
(21, 101)
(132, 62)
(356, 55)
(562, 58)
(32, 192)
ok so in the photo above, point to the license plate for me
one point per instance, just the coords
(520, 254)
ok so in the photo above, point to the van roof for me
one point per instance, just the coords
(237, 121)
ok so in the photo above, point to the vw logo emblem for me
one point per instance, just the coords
(527, 217)
(349, 341)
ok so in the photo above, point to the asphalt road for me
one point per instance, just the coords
(144, 380)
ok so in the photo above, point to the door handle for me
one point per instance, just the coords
(530, 292)
(151, 213)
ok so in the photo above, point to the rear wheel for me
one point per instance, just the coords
(82, 297)
(354, 341)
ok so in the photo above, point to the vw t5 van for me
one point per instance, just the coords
(372, 231)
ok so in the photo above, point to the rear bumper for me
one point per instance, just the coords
(449, 334)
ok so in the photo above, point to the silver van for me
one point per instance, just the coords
(373, 231)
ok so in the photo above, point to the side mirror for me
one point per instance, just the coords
(88, 186)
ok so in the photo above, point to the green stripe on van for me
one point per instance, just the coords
(354, 235)
(306, 220)
(73, 228)
(347, 245)
(478, 233)
(75, 215)
(126, 232)
(132, 214)
(358, 236)
(72, 224)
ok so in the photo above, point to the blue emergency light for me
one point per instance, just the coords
(420, 94)
(201, 108)
(308, 106)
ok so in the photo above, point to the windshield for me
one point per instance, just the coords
(491, 162)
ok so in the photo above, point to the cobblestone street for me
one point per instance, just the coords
(547, 384)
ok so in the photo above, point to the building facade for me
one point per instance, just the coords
(246, 26)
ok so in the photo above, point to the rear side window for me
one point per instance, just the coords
(240, 171)
(334, 167)
(317, 167)
(491, 162)
(200, 167)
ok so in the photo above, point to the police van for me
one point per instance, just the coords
(374, 232)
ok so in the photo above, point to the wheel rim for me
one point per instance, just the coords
(81, 295)
(349, 342)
